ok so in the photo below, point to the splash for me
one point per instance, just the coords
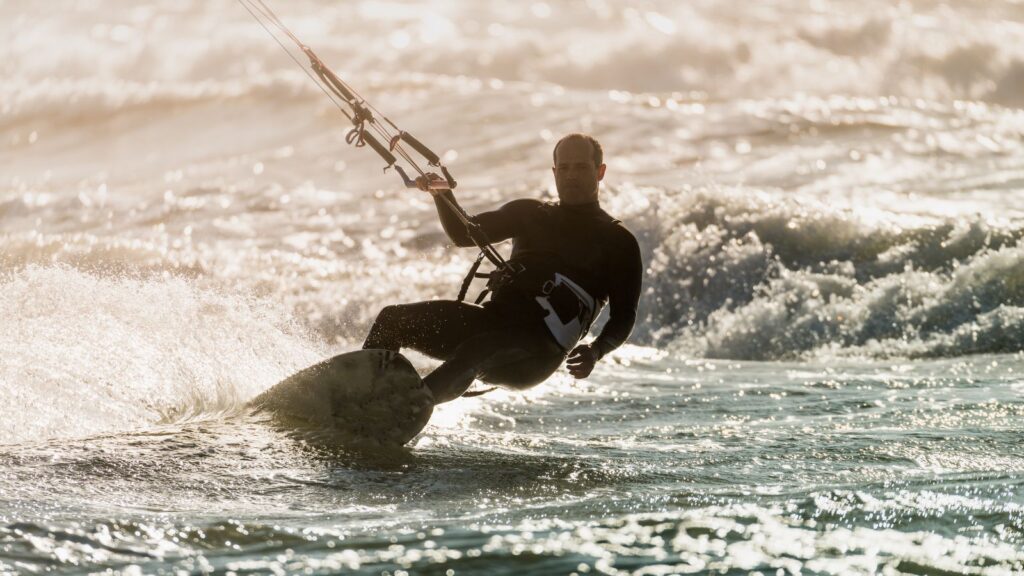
(89, 354)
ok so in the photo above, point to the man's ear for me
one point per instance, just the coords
(600, 172)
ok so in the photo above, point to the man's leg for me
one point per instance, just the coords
(435, 328)
(515, 357)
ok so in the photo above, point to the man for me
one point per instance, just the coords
(568, 259)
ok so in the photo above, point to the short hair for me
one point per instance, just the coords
(598, 153)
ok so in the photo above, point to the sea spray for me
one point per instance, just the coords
(86, 353)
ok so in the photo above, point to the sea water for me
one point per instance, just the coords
(825, 375)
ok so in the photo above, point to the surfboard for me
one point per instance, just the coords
(365, 397)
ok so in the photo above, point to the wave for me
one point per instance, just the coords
(75, 100)
(935, 52)
(735, 274)
(731, 273)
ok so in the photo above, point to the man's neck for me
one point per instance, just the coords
(594, 202)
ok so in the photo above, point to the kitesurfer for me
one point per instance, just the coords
(568, 259)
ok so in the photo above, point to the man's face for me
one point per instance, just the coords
(576, 176)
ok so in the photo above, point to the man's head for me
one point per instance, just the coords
(579, 166)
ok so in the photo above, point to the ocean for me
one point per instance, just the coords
(825, 376)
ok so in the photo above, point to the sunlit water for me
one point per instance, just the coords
(825, 376)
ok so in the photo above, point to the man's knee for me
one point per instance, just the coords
(522, 374)
(389, 315)
(510, 364)
(386, 330)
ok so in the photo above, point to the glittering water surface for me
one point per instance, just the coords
(657, 466)
(825, 372)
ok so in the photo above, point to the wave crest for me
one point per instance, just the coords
(735, 275)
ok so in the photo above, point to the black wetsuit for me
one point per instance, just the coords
(505, 341)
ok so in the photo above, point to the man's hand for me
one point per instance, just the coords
(581, 361)
(432, 183)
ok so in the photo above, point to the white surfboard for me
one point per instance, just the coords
(368, 397)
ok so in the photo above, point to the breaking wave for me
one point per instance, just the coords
(748, 276)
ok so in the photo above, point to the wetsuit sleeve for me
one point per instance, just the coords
(497, 225)
(623, 296)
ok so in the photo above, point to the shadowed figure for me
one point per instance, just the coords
(568, 259)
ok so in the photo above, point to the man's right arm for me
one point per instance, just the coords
(496, 225)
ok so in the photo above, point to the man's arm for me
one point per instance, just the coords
(623, 297)
(496, 225)
(450, 221)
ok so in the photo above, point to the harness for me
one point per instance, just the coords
(569, 310)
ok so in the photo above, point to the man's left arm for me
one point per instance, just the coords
(623, 296)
